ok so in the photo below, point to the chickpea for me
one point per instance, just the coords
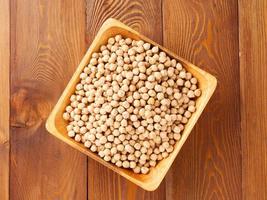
(177, 136)
(144, 170)
(197, 92)
(137, 170)
(155, 49)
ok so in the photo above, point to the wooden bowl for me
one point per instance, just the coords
(56, 125)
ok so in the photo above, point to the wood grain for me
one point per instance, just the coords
(253, 71)
(48, 41)
(209, 164)
(145, 17)
(4, 98)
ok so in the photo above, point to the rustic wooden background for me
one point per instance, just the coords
(42, 42)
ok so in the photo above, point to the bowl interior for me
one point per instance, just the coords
(57, 125)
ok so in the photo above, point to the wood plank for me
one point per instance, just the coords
(48, 41)
(145, 17)
(209, 165)
(4, 98)
(253, 71)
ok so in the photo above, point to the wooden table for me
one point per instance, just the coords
(42, 42)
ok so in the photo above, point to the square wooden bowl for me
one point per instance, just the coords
(56, 125)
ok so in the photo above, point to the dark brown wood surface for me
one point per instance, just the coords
(48, 41)
(253, 85)
(4, 97)
(41, 44)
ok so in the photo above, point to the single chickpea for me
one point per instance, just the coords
(179, 66)
(71, 133)
(197, 92)
(123, 156)
(132, 165)
(146, 144)
(133, 118)
(117, 141)
(182, 74)
(191, 94)
(137, 170)
(83, 130)
(188, 76)
(193, 87)
(137, 154)
(137, 146)
(165, 154)
(128, 41)
(66, 116)
(110, 138)
(118, 38)
(139, 58)
(151, 101)
(155, 49)
(103, 140)
(136, 124)
(158, 88)
(101, 154)
(93, 148)
(120, 147)
(144, 170)
(172, 142)
(118, 163)
(117, 157)
(107, 158)
(177, 136)
(191, 108)
(157, 118)
(143, 150)
(131, 157)
(142, 162)
(146, 46)
(187, 114)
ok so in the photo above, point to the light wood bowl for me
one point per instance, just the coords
(56, 125)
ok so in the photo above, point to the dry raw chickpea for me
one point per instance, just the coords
(187, 114)
(191, 108)
(93, 148)
(176, 136)
(137, 170)
(132, 165)
(107, 158)
(120, 147)
(71, 133)
(144, 170)
(119, 163)
(197, 92)
(146, 46)
(164, 154)
(131, 104)
(155, 49)
(131, 157)
(137, 154)
(66, 116)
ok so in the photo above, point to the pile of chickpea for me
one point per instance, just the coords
(131, 104)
